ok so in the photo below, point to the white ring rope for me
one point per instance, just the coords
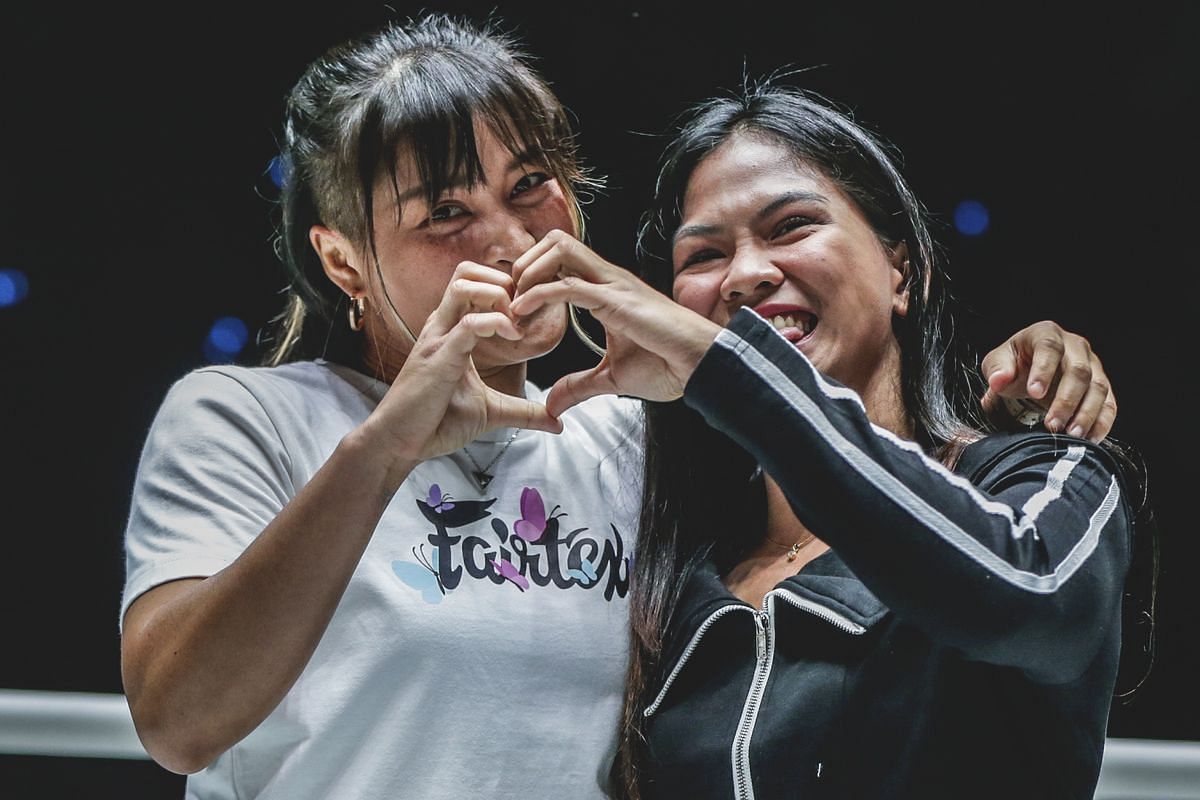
(99, 726)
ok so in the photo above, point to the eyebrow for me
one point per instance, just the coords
(530, 155)
(770, 208)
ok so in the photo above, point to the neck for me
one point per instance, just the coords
(384, 360)
(883, 396)
(783, 528)
(885, 407)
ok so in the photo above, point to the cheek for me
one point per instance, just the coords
(552, 214)
(415, 283)
(700, 294)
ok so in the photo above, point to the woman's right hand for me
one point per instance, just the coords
(438, 401)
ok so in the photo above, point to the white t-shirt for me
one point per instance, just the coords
(480, 647)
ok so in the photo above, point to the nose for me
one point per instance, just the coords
(750, 272)
(508, 238)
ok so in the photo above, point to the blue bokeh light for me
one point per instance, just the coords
(971, 218)
(14, 287)
(278, 170)
(225, 340)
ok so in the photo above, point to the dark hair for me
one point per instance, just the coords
(698, 483)
(420, 86)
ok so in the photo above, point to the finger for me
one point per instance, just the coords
(1104, 420)
(999, 368)
(571, 390)
(1088, 412)
(506, 411)
(1074, 380)
(566, 256)
(465, 335)
(465, 296)
(580, 292)
(1047, 356)
(543, 246)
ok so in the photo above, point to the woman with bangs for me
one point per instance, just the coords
(378, 566)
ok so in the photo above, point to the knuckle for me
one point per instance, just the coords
(1049, 326)
(1080, 372)
(1052, 343)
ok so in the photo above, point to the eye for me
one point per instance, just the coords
(446, 212)
(530, 180)
(790, 224)
(699, 257)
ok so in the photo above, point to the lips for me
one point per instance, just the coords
(794, 322)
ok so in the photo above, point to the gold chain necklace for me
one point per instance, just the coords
(794, 549)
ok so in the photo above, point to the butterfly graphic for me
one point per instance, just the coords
(422, 575)
(437, 501)
(532, 524)
(586, 574)
(510, 573)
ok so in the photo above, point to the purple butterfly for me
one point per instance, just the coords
(509, 572)
(532, 523)
(437, 501)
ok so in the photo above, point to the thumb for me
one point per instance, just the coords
(999, 368)
(571, 390)
(991, 403)
(506, 411)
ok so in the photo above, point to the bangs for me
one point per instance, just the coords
(428, 109)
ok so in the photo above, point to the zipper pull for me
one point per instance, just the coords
(760, 634)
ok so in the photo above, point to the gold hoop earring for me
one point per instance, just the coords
(357, 312)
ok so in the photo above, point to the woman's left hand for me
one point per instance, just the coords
(653, 343)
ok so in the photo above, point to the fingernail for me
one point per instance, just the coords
(1077, 430)
(1036, 388)
(1053, 425)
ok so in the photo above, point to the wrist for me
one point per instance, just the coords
(372, 452)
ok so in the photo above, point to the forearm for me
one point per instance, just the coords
(203, 667)
(1026, 576)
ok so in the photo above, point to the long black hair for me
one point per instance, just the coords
(699, 485)
(415, 89)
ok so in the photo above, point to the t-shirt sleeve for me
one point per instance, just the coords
(212, 474)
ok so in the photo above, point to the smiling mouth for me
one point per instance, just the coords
(794, 325)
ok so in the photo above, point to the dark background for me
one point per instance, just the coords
(134, 149)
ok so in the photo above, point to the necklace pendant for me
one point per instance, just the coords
(482, 479)
(793, 551)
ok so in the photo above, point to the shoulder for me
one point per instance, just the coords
(267, 390)
(997, 455)
(608, 419)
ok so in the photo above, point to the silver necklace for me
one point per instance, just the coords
(480, 474)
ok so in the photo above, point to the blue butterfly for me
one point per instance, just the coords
(586, 574)
(422, 575)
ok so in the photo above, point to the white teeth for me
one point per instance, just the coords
(781, 321)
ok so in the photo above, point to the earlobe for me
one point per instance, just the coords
(339, 259)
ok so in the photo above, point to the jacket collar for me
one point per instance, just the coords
(825, 581)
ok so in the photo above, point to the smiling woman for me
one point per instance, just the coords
(844, 586)
(337, 563)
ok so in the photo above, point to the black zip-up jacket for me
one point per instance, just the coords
(960, 639)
